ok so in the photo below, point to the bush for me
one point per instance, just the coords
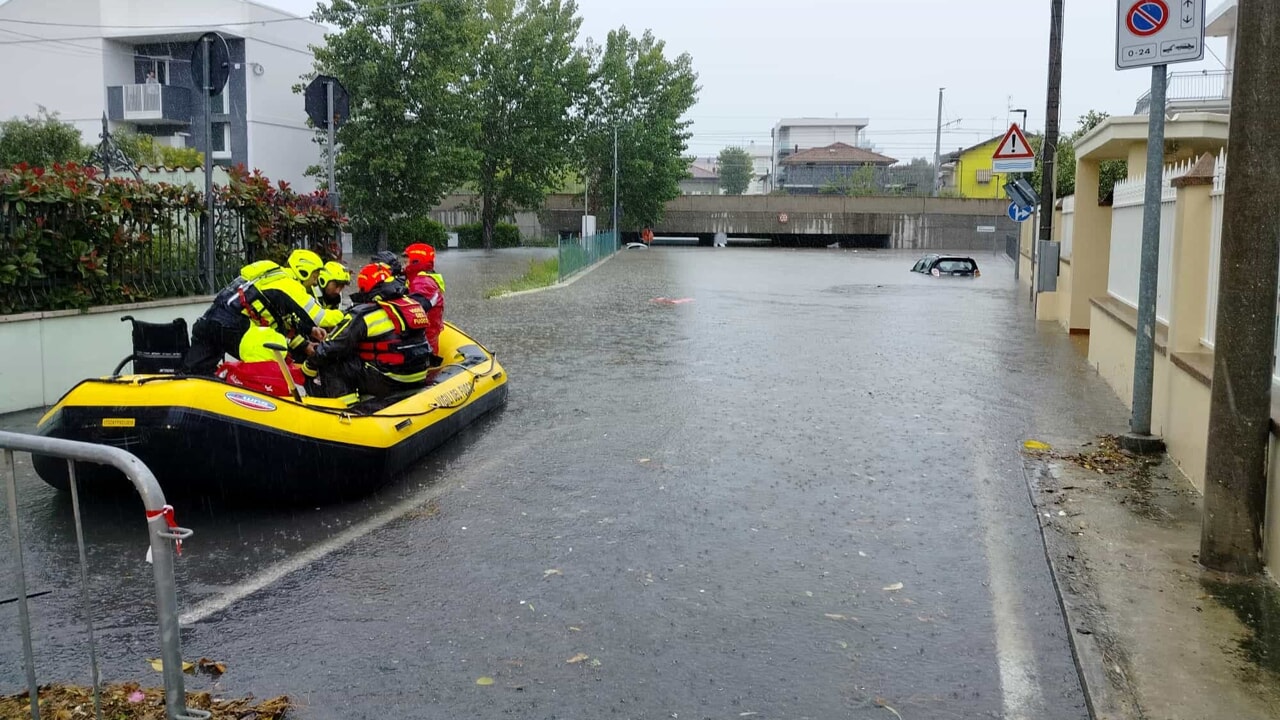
(40, 142)
(471, 236)
(408, 230)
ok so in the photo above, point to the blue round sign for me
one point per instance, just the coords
(1148, 17)
(1020, 213)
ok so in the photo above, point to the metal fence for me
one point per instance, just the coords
(161, 528)
(171, 263)
(1126, 239)
(579, 253)
(1205, 90)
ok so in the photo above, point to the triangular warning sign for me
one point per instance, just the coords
(1014, 146)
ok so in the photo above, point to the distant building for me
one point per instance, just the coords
(967, 171)
(809, 171)
(131, 60)
(703, 178)
(792, 135)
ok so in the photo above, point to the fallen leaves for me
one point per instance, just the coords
(882, 703)
(1037, 446)
(551, 571)
(129, 701)
(578, 658)
(892, 588)
(158, 665)
(484, 680)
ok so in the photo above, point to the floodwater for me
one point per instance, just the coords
(798, 494)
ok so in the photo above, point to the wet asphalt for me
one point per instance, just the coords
(798, 495)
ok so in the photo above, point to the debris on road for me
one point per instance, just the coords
(892, 588)
(1037, 446)
(484, 680)
(670, 301)
(158, 665)
(577, 658)
(551, 571)
(129, 701)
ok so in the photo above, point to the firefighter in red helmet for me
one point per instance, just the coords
(427, 287)
(379, 349)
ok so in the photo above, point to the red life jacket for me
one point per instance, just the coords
(397, 339)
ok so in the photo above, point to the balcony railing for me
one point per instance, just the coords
(149, 103)
(1208, 90)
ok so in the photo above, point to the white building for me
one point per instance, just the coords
(81, 58)
(792, 135)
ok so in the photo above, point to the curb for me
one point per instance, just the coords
(556, 286)
(1084, 624)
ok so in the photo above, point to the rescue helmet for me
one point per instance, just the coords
(421, 257)
(305, 264)
(334, 271)
(388, 258)
(373, 275)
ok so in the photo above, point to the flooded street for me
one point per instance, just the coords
(799, 494)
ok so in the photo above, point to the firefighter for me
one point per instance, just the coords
(334, 278)
(427, 287)
(380, 348)
(267, 295)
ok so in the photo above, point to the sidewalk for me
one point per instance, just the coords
(1155, 635)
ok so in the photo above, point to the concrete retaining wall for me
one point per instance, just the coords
(47, 353)
(907, 223)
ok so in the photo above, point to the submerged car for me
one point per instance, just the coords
(948, 265)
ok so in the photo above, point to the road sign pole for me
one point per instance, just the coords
(333, 188)
(1144, 353)
(210, 278)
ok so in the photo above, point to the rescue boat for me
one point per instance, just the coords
(208, 437)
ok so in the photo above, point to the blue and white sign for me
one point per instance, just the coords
(1159, 32)
(1020, 213)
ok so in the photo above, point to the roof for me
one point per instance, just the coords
(956, 155)
(838, 154)
(1222, 21)
(698, 172)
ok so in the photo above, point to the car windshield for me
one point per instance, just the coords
(953, 265)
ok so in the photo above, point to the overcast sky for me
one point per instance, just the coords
(883, 60)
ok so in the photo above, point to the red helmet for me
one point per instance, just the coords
(422, 258)
(371, 276)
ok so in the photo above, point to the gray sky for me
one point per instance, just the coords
(880, 59)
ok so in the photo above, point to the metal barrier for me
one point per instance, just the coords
(578, 254)
(164, 534)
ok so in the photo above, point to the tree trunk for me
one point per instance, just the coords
(488, 219)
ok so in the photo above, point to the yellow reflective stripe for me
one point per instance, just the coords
(410, 378)
(378, 324)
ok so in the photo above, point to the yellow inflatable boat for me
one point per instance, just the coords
(210, 438)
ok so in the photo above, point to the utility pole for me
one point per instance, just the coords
(937, 149)
(616, 236)
(1235, 487)
(1049, 149)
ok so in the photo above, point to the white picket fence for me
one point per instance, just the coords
(1126, 238)
(1068, 224)
(1215, 250)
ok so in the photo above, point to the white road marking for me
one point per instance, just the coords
(1021, 692)
(272, 574)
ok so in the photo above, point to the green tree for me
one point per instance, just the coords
(642, 95)
(40, 141)
(529, 78)
(736, 170)
(1110, 171)
(407, 67)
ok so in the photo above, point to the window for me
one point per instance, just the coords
(221, 140)
(218, 103)
(983, 176)
(149, 69)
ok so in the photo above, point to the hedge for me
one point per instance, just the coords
(471, 236)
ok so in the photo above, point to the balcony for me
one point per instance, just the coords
(149, 104)
(1205, 91)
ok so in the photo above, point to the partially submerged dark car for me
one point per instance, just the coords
(947, 265)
